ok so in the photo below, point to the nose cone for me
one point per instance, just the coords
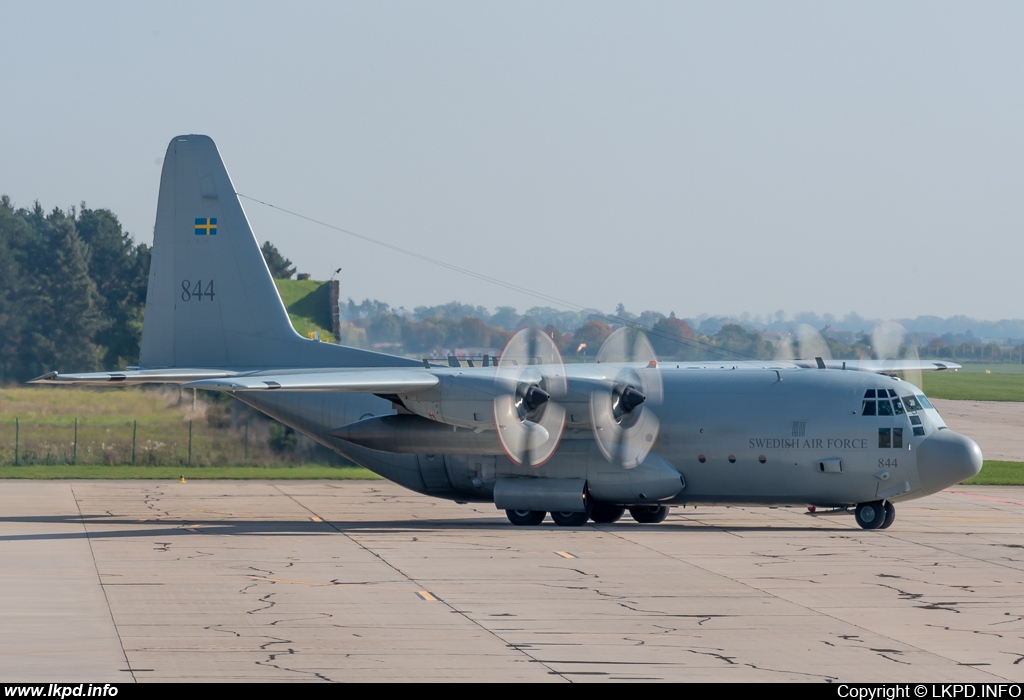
(946, 458)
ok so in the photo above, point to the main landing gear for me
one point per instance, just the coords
(603, 513)
(875, 515)
(649, 514)
(525, 517)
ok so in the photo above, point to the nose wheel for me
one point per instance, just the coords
(875, 515)
(890, 516)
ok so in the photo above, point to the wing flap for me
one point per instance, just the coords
(356, 381)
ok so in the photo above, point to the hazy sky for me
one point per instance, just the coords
(708, 157)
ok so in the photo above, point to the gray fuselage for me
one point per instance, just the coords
(740, 436)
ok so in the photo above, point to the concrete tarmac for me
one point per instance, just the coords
(364, 581)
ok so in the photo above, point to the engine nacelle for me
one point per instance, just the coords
(416, 435)
(465, 400)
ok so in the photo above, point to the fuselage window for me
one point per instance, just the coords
(918, 430)
(885, 437)
(924, 401)
(884, 408)
(869, 394)
(897, 438)
(915, 420)
(897, 406)
(868, 409)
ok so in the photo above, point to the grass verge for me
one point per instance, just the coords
(974, 386)
(103, 471)
(995, 473)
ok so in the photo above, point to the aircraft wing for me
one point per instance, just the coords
(139, 376)
(357, 381)
(882, 366)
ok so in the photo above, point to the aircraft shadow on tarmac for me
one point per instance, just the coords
(95, 527)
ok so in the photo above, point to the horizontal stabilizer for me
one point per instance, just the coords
(356, 380)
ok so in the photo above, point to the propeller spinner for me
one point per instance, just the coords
(624, 423)
(527, 415)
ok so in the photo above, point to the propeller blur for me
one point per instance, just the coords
(529, 433)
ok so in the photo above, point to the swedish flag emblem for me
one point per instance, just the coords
(206, 227)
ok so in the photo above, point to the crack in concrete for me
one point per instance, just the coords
(276, 640)
(827, 678)
(721, 657)
(273, 657)
(964, 588)
(263, 599)
(947, 628)
(907, 595)
(884, 653)
(1016, 618)
(702, 618)
(220, 628)
(314, 616)
(565, 568)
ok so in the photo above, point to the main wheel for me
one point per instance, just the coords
(890, 515)
(870, 516)
(570, 518)
(649, 514)
(606, 513)
(525, 517)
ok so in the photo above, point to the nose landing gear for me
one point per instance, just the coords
(875, 515)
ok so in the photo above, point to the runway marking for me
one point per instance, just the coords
(316, 519)
(425, 595)
(566, 555)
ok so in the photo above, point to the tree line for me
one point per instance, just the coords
(72, 291)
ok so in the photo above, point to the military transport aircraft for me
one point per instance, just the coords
(528, 433)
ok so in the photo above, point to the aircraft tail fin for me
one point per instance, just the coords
(211, 300)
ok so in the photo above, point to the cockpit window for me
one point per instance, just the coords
(896, 406)
(912, 403)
